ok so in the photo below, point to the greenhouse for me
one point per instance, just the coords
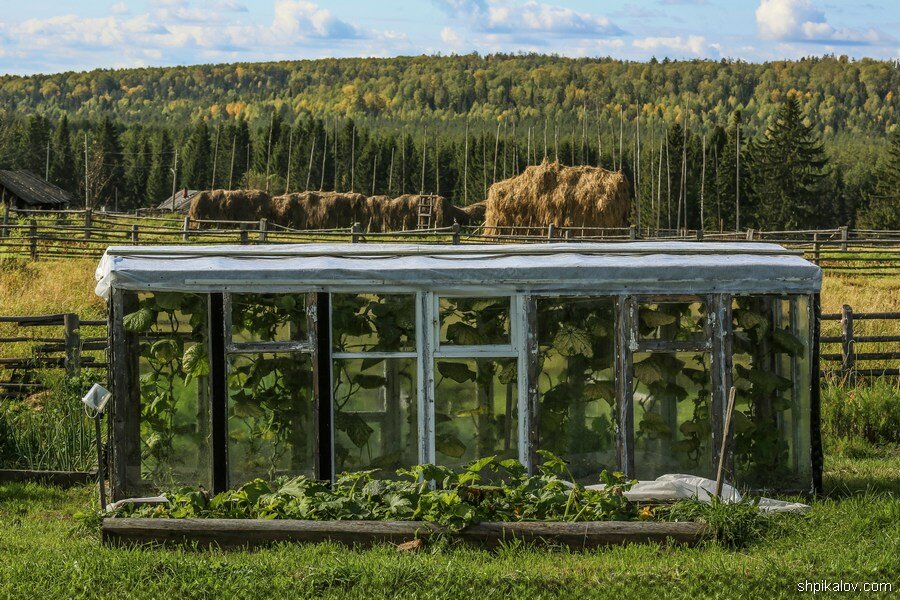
(231, 363)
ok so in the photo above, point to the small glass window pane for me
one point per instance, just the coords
(672, 321)
(475, 410)
(268, 318)
(375, 415)
(271, 425)
(474, 321)
(672, 431)
(174, 390)
(577, 383)
(373, 322)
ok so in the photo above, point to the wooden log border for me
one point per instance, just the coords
(63, 479)
(250, 533)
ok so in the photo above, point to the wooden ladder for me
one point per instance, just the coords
(426, 212)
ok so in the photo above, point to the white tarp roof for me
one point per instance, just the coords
(602, 268)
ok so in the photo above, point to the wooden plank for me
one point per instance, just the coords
(57, 478)
(242, 533)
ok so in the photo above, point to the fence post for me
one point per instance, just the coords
(263, 229)
(88, 223)
(134, 235)
(455, 233)
(848, 344)
(5, 219)
(72, 336)
(186, 228)
(816, 248)
(32, 239)
(631, 233)
(354, 233)
(244, 238)
(749, 235)
(844, 235)
(551, 231)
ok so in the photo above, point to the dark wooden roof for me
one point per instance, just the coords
(181, 203)
(32, 190)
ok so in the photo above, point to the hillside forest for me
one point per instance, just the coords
(718, 145)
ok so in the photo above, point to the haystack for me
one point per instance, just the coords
(564, 196)
(328, 210)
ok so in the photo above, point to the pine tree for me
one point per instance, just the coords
(883, 210)
(32, 154)
(196, 163)
(62, 160)
(137, 169)
(726, 175)
(159, 179)
(786, 169)
(106, 159)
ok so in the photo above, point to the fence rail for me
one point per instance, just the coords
(849, 357)
(86, 234)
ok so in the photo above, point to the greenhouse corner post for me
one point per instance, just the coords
(322, 385)
(815, 412)
(218, 392)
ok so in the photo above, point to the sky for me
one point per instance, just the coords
(49, 36)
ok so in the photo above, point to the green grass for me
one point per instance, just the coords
(852, 534)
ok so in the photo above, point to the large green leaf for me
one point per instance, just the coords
(655, 318)
(573, 341)
(648, 371)
(787, 342)
(139, 321)
(354, 426)
(449, 445)
(464, 334)
(458, 372)
(195, 361)
(605, 390)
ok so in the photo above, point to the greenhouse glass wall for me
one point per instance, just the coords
(236, 362)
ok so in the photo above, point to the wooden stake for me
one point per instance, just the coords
(728, 412)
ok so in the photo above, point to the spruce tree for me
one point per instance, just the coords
(883, 210)
(726, 176)
(62, 160)
(33, 140)
(106, 160)
(159, 179)
(786, 168)
(137, 169)
(196, 164)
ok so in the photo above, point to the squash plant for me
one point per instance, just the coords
(270, 395)
(577, 385)
(467, 391)
(763, 392)
(171, 329)
(381, 323)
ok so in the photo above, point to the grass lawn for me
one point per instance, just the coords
(852, 534)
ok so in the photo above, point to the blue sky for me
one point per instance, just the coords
(41, 36)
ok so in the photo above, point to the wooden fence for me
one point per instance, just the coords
(45, 352)
(86, 234)
(68, 352)
(853, 363)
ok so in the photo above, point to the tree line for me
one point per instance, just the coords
(689, 171)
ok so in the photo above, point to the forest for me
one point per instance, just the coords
(717, 144)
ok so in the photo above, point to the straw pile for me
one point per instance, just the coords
(326, 210)
(564, 196)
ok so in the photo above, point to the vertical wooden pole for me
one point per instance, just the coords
(263, 229)
(88, 223)
(134, 234)
(32, 239)
(848, 351)
(186, 227)
(624, 393)
(844, 236)
(532, 376)
(5, 226)
(72, 336)
(218, 392)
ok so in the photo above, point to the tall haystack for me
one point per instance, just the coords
(225, 205)
(564, 196)
(328, 210)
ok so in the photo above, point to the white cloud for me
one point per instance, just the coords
(450, 37)
(517, 18)
(688, 45)
(801, 21)
(119, 8)
(306, 19)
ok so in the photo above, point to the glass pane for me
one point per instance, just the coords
(772, 377)
(474, 321)
(268, 318)
(375, 415)
(271, 424)
(373, 322)
(672, 321)
(577, 383)
(672, 432)
(174, 393)
(475, 410)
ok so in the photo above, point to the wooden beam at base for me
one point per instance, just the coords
(244, 533)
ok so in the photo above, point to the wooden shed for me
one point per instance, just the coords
(24, 190)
